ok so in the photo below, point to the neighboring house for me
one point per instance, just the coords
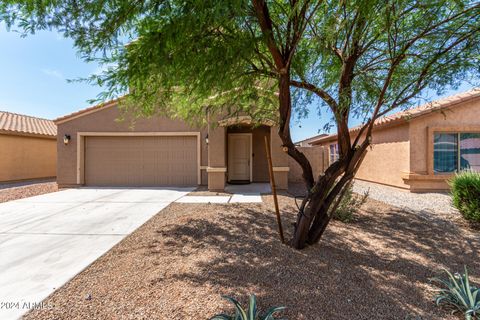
(95, 149)
(27, 147)
(421, 148)
(309, 141)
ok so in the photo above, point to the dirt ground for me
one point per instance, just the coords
(15, 192)
(178, 264)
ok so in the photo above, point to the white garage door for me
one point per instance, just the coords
(141, 161)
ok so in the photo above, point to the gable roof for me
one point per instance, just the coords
(406, 115)
(311, 139)
(14, 123)
(88, 110)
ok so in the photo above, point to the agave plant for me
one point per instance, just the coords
(457, 292)
(250, 314)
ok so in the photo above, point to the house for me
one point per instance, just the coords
(309, 141)
(422, 148)
(27, 147)
(95, 149)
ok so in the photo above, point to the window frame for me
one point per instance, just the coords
(430, 145)
(336, 155)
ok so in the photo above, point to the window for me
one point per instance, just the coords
(470, 151)
(334, 152)
(454, 152)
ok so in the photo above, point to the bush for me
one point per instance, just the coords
(349, 205)
(457, 292)
(251, 313)
(466, 194)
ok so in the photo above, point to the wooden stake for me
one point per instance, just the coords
(274, 190)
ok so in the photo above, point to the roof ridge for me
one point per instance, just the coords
(89, 109)
(24, 115)
(438, 103)
(423, 109)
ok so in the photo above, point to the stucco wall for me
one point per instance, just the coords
(318, 157)
(402, 155)
(25, 157)
(217, 157)
(387, 159)
(107, 121)
(461, 116)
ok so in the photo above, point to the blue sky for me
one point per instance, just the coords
(34, 72)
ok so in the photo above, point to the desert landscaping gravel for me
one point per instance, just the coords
(178, 264)
(9, 192)
(435, 202)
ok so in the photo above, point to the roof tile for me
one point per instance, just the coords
(416, 112)
(24, 124)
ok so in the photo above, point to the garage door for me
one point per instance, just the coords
(141, 161)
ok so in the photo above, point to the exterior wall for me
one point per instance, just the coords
(460, 118)
(217, 165)
(279, 160)
(389, 157)
(387, 160)
(213, 157)
(106, 120)
(26, 157)
(318, 157)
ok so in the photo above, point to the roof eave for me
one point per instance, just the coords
(27, 134)
(87, 111)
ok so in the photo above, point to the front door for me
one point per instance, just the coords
(239, 156)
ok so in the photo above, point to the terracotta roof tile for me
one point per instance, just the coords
(23, 124)
(429, 107)
(406, 115)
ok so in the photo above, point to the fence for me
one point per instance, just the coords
(318, 157)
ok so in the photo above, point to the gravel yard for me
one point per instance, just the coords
(20, 190)
(426, 202)
(178, 264)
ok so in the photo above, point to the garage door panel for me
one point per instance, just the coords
(141, 161)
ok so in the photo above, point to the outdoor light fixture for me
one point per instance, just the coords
(66, 139)
(206, 139)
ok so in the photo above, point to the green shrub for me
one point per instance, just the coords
(349, 205)
(250, 314)
(457, 292)
(466, 194)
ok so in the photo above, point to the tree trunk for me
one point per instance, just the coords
(316, 211)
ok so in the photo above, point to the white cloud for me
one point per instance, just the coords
(53, 73)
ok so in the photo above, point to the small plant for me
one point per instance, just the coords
(457, 292)
(466, 194)
(250, 314)
(349, 205)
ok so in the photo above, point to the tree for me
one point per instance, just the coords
(357, 58)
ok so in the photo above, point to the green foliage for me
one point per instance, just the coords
(185, 58)
(349, 205)
(250, 314)
(457, 292)
(466, 194)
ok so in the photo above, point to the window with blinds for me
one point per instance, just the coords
(453, 152)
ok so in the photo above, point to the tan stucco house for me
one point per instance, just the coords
(95, 149)
(421, 148)
(27, 147)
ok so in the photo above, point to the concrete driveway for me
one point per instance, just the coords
(46, 240)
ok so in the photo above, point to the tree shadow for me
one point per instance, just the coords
(375, 268)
